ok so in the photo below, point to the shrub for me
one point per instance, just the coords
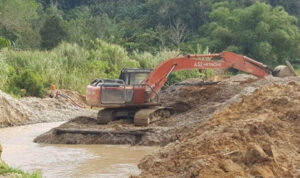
(28, 80)
(4, 42)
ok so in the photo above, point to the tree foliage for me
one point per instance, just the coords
(260, 31)
(17, 22)
(52, 32)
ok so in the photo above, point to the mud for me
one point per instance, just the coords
(256, 136)
(85, 130)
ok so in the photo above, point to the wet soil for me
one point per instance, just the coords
(256, 136)
(194, 105)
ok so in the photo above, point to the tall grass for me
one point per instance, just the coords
(71, 66)
(67, 66)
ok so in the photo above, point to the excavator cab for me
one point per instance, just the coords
(134, 76)
(116, 92)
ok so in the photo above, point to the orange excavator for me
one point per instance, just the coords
(135, 93)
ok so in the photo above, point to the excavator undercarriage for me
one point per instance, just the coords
(139, 116)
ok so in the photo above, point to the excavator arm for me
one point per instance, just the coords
(160, 74)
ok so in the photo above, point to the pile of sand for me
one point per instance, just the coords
(77, 97)
(30, 110)
(258, 135)
(14, 112)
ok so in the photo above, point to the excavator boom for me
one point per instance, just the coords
(159, 75)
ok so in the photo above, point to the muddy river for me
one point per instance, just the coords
(67, 160)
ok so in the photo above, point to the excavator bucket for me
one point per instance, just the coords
(284, 70)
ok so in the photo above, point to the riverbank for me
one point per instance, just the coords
(8, 172)
(30, 110)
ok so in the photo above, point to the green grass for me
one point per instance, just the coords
(70, 66)
(5, 169)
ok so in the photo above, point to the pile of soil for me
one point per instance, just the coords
(14, 112)
(257, 135)
(77, 97)
(194, 105)
(55, 109)
(30, 110)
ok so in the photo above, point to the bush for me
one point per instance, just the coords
(4, 42)
(29, 81)
(4, 71)
(115, 55)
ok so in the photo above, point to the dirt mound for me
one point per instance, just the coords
(14, 112)
(29, 110)
(258, 135)
(55, 109)
(77, 97)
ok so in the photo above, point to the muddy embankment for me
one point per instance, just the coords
(258, 135)
(194, 104)
(29, 110)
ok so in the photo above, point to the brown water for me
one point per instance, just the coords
(67, 160)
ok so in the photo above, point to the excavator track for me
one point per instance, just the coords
(144, 117)
(105, 116)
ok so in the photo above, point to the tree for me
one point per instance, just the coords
(259, 31)
(291, 6)
(177, 32)
(16, 19)
(53, 32)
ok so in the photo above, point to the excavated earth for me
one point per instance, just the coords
(29, 110)
(256, 136)
(194, 105)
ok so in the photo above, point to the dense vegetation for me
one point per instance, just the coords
(70, 42)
